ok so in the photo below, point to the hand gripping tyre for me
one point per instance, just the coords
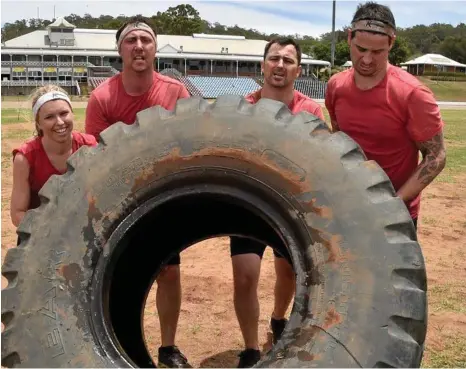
(89, 254)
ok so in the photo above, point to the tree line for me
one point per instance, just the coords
(184, 19)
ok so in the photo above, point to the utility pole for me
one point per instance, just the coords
(333, 36)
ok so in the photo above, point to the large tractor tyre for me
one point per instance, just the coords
(89, 254)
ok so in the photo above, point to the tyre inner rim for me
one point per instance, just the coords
(155, 231)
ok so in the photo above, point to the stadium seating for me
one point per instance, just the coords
(308, 86)
(175, 74)
(95, 81)
(212, 87)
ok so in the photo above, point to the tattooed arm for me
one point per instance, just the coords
(433, 162)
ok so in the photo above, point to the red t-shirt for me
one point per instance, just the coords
(40, 167)
(109, 103)
(300, 103)
(386, 121)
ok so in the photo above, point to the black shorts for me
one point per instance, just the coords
(175, 260)
(243, 245)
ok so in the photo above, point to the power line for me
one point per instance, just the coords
(332, 62)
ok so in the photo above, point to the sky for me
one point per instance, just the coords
(284, 17)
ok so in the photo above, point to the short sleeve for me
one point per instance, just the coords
(183, 93)
(424, 118)
(89, 140)
(95, 119)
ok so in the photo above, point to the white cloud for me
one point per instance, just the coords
(267, 23)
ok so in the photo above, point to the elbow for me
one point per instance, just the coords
(14, 220)
(16, 217)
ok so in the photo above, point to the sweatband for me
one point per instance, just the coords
(131, 27)
(373, 26)
(51, 95)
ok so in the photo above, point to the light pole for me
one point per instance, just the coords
(332, 52)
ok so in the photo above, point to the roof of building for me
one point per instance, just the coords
(434, 59)
(61, 22)
(102, 42)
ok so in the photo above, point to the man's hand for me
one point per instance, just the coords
(433, 162)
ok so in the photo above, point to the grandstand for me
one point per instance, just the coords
(80, 59)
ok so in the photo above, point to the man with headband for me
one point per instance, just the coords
(386, 110)
(120, 98)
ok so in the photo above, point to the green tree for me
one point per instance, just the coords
(400, 51)
(454, 48)
(342, 52)
(180, 20)
(321, 51)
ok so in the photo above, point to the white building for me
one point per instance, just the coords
(68, 55)
(433, 63)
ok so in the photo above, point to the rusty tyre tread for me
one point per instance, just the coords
(362, 304)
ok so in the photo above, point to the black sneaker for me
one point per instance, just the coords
(248, 358)
(171, 357)
(277, 326)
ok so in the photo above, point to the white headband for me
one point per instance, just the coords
(373, 26)
(52, 95)
(131, 27)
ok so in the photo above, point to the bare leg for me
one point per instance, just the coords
(246, 271)
(169, 302)
(284, 287)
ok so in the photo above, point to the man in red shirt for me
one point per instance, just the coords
(120, 98)
(281, 67)
(386, 110)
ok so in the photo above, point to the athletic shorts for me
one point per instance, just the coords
(243, 245)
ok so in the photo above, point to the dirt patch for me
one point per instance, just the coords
(208, 330)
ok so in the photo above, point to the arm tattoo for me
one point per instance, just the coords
(433, 158)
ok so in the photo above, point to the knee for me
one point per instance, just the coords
(246, 278)
(169, 275)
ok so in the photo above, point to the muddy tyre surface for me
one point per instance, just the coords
(216, 169)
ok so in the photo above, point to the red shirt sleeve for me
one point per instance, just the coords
(424, 119)
(183, 93)
(95, 118)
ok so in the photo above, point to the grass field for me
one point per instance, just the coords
(447, 91)
(213, 338)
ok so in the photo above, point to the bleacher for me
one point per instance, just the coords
(212, 87)
(175, 74)
(93, 82)
(308, 86)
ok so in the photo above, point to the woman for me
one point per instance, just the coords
(36, 160)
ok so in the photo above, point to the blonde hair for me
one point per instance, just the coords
(36, 94)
